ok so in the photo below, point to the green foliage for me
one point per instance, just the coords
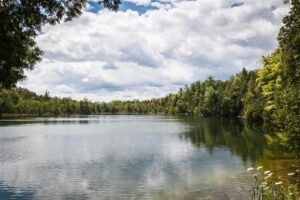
(269, 79)
(19, 101)
(200, 99)
(279, 79)
(289, 100)
(253, 100)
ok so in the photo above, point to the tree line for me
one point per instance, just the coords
(270, 94)
(255, 95)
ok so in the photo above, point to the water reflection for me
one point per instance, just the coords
(250, 143)
(7, 192)
(128, 157)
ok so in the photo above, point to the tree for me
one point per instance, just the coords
(253, 103)
(269, 80)
(21, 21)
(289, 42)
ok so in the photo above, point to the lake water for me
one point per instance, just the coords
(134, 157)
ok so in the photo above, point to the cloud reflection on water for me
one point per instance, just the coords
(121, 157)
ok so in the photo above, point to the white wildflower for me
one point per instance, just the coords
(291, 174)
(270, 174)
(278, 183)
(250, 169)
(266, 188)
(267, 172)
(263, 184)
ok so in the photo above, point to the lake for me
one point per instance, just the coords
(135, 157)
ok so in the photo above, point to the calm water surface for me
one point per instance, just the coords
(133, 157)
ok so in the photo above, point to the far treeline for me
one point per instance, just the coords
(270, 94)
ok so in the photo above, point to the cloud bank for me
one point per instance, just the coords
(127, 55)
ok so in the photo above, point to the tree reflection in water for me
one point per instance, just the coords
(251, 142)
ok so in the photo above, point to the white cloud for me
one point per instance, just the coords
(140, 2)
(124, 55)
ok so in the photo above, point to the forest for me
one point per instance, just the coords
(270, 94)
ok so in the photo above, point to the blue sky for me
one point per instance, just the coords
(126, 5)
(152, 48)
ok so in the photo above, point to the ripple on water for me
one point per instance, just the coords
(127, 157)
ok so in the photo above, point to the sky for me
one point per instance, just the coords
(149, 48)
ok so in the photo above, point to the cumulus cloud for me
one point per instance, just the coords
(140, 2)
(127, 55)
